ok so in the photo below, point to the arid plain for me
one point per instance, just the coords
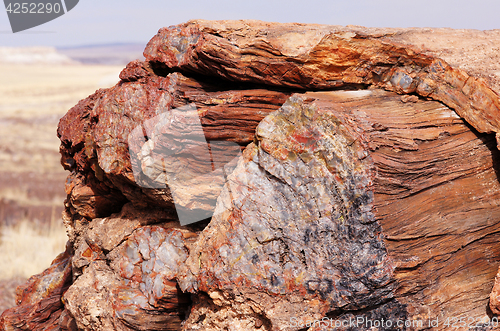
(33, 97)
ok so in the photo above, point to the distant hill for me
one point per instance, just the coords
(33, 55)
(104, 54)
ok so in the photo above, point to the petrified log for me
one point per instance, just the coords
(325, 57)
(261, 176)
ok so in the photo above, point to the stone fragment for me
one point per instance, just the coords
(296, 232)
(495, 296)
(91, 198)
(133, 286)
(100, 151)
(39, 304)
(326, 57)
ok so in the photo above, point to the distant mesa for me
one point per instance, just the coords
(104, 54)
(33, 55)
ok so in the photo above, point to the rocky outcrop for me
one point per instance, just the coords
(261, 176)
(40, 305)
(324, 57)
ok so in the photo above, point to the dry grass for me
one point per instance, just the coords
(32, 100)
(33, 90)
(8, 292)
(29, 248)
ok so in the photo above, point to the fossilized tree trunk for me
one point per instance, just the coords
(334, 173)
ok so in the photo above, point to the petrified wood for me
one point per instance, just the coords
(262, 176)
(325, 57)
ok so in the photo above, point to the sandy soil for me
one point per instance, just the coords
(32, 100)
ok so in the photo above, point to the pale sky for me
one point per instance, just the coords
(112, 21)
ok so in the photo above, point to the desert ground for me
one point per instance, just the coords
(33, 97)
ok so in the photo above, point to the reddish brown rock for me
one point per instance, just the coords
(495, 296)
(39, 303)
(127, 274)
(98, 147)
(246, 253)
(325, 57)
(428, 167)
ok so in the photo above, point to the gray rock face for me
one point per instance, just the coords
(295, 231)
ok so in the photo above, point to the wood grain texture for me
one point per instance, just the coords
(324, 57)
(436, 196)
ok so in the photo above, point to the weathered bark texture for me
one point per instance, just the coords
(325, 57)
(263, 176)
